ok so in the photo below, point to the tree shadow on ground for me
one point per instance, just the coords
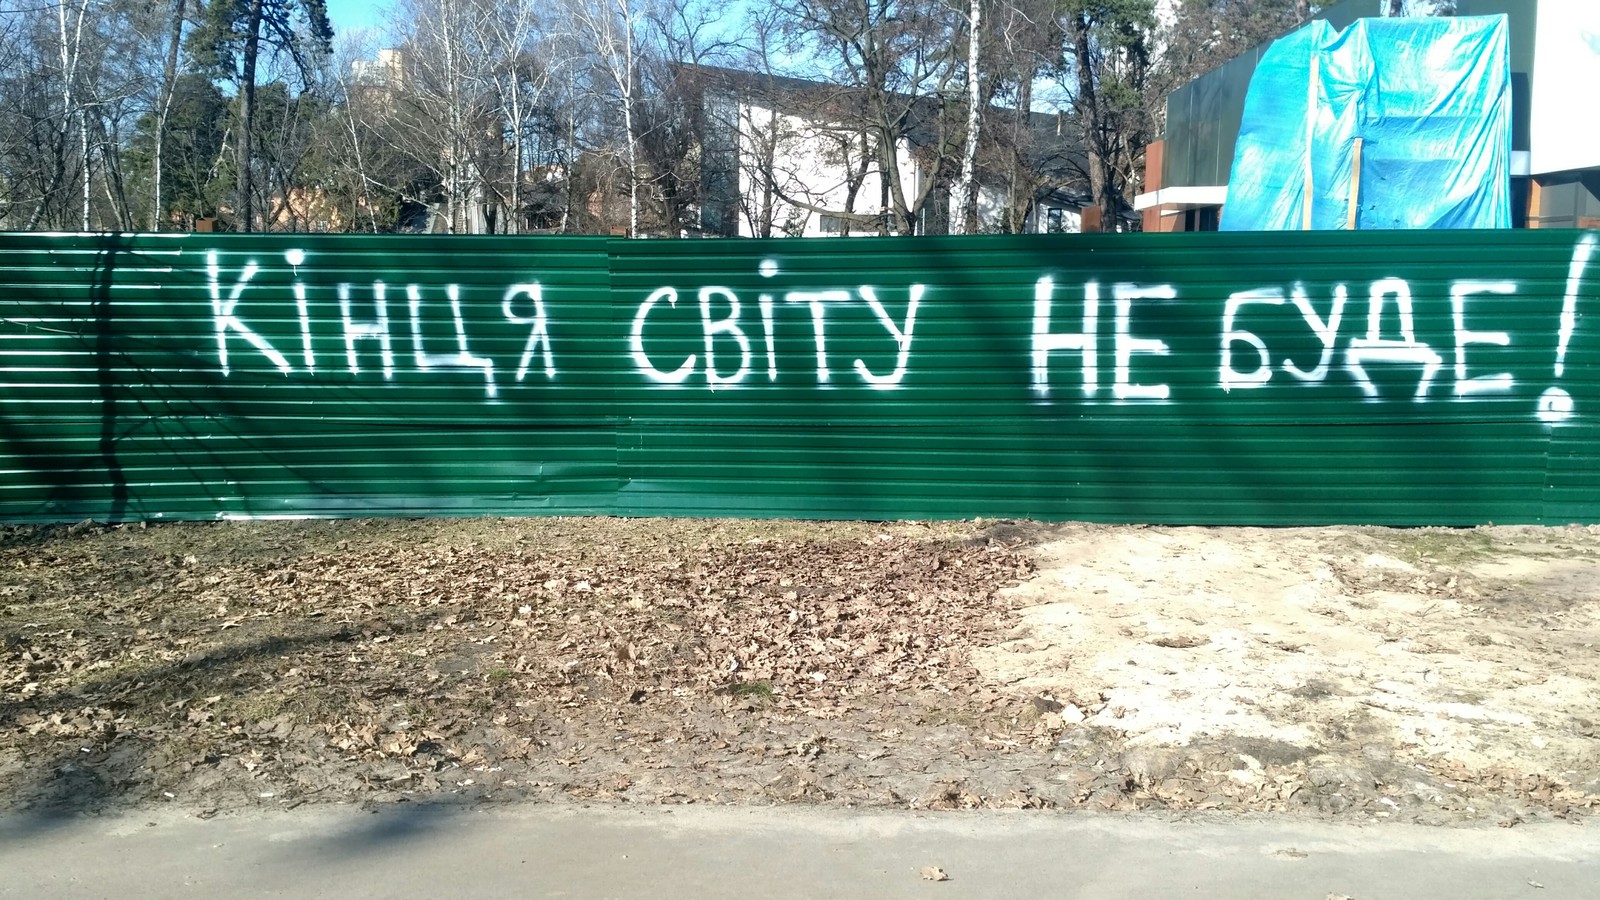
(97, 766)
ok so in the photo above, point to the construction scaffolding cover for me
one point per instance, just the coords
(1393, 123)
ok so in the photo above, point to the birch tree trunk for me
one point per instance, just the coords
(169, 78)
(513, 221)
(628, 84)
(966, 193)
(70, 108)
(605, 32)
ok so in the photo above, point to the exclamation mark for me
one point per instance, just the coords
(1556, 404)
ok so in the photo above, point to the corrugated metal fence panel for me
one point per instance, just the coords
(1371, 377)
(153, 377)
(1168, 420)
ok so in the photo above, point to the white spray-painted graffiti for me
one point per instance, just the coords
(1087, 342)
(727, 351)
(365, 327)
(818, 303)
(376, 329)
(1389, 300)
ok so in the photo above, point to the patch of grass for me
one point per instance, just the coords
(1442, 546)
(963, 718)
(499, 675)
(417, 714)
(315, 705)
(254, 708)
(752, 690)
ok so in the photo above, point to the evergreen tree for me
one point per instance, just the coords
(1109, 45)
(192, 140)
(230, 40)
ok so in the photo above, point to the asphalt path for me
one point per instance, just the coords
(418, 851)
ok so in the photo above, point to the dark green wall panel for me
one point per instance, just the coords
(1156, 378)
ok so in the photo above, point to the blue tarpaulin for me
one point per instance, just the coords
(1426, 100)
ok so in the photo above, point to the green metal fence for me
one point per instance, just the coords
(1405, 378)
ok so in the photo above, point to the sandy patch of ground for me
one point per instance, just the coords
(1458, 653)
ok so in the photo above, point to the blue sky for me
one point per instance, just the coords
(349, 15)
(375, 15)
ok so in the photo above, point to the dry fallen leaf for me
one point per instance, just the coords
(934, 873)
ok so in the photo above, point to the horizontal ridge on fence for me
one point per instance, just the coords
(1369, 377)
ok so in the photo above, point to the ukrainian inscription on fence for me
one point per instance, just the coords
(1237, 378)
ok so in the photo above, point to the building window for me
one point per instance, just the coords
(830, 224)
(1205, 218)
(1055, 220)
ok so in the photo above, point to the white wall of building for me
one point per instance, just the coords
(1564, 134)
(812, 164)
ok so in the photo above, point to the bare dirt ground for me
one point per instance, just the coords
(1431, 675)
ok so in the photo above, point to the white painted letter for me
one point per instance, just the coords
(1327, 332)
(766, 329)
(902, 337)
(728, 326)
(223, 317)
(769, 268)
(1085, 342)
(304, 309)
(1127, 345)
(463, 357)
(637, 343)
(377, 329)
(1555, 404)
(1483, 384)
(539, 336)
(296, 259)
(1375, 348)
(818, 313)
(1263, 371)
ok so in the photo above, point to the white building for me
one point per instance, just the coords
(781, 160)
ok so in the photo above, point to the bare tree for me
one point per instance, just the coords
(965, 195)
(71, 52)
(1019, 41)
(169, 79)
(892, 60)
(70, 82)
(441, 109)
(604, 39)
(348, 143)
(684, 51)
(522, 80)
(810, 148)
(1109, 61)
(802, 158)
(1204, 34)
